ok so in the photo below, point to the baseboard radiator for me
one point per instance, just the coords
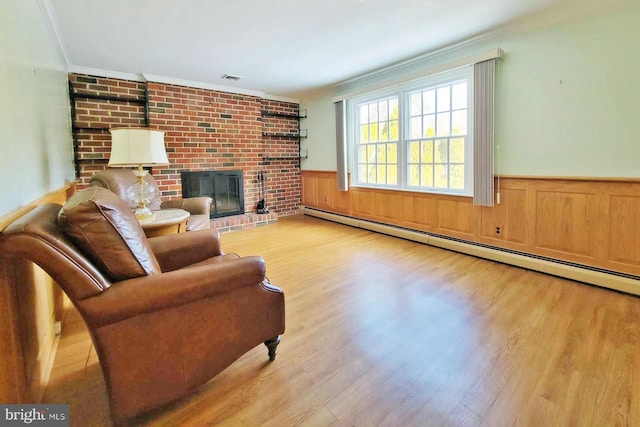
(578, 272)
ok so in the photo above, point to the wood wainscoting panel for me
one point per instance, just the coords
(362, 203)
(389, 207)
(342, 201)
(325, 192)
(455, 218)
(624, 229)
(590, 221)
(30, 304)
(506, 221)
(309, 190)
(40, 305)
(420, 213)
(565, 222)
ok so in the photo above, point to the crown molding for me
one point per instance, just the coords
(201, 85)
(52, 24)
(219, 88)
(179, 82)
(106, 73)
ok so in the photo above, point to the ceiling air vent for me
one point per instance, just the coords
(230, 77)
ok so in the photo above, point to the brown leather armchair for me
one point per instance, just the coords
(165, 314)
(119, 180)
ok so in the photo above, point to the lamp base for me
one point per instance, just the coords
(145, 215)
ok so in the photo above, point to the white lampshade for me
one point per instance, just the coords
(137, 146)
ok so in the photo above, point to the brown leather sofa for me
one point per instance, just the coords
(165, 314)
(119, 180)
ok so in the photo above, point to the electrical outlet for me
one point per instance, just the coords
(498, 230)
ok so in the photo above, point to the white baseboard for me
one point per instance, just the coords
(568, 271)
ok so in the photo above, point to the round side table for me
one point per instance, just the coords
(166, 221)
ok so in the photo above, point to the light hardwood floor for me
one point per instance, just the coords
(383, 331)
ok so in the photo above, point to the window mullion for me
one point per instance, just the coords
(403, 122)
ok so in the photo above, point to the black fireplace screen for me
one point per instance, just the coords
(224, 187)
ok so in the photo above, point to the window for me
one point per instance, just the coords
(416, 136)
(378, 142)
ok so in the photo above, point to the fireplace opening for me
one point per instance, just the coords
(224, 187)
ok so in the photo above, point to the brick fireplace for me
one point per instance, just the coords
(205, 130)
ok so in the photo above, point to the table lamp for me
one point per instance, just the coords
(138, 147)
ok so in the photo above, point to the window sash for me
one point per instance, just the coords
(377, 141)
(436, 159)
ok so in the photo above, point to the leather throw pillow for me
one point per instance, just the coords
(102, 226)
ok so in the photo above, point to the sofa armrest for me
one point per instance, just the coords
(176, 251)
(193, 205)
(149, 294)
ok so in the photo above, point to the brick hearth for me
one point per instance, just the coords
(242, 222)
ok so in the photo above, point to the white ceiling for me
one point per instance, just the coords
(279, 47)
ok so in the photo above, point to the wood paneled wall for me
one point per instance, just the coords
(595, 222)
(30, 304)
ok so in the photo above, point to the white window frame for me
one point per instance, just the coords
(403, 92)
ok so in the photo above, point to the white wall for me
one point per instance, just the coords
(36, 149)
(321, 142)
(568, 98)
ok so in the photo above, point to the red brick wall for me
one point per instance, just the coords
(281, 153)
(93, 118)
(204, 130)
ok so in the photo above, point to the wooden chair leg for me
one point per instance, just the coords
(272, 344)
